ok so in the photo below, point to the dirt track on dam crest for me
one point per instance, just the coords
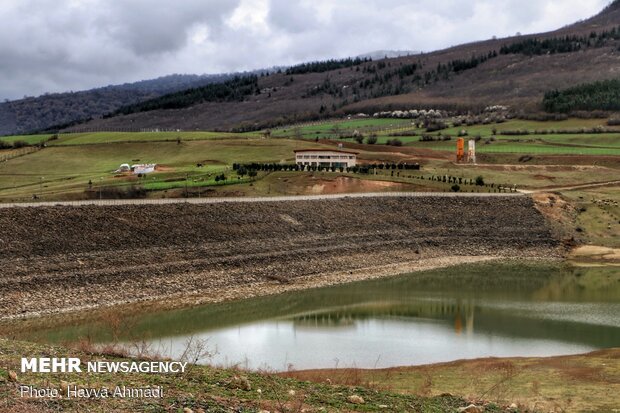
(63, 259)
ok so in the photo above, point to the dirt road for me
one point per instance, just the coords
(570, 188)
(214, 200)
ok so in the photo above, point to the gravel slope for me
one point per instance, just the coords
(65, 258)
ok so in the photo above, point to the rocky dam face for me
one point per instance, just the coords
(58, 259)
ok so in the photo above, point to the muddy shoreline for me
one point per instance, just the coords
(62, 260)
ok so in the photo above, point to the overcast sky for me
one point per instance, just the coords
(62, 45)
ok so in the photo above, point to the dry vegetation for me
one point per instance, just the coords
(589, 382)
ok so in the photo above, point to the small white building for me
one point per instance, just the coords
(145, 168)
(326, 158)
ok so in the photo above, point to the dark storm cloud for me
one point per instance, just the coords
(60, 45)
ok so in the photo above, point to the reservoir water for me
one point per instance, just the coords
(461, 312)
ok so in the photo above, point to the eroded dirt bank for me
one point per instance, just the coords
(58, 259)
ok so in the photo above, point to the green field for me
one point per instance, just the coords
(90, 138)
(62, 169)
(331, 129)
(540, 148)
(535, 142)
(29, 139)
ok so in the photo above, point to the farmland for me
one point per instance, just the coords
(568, 137)
(81, 165)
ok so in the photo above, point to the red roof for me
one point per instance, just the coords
(325, 150)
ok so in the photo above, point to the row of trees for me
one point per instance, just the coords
(325, 66)
(566, 44)
(602, 95)
(460, 65)
(270, 167)
(235, 89)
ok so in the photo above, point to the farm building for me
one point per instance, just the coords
(146, 168)
(325, 158)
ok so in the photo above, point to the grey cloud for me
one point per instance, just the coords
(290, 17)
(151, 27)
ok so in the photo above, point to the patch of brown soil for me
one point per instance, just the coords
(164, 168)
(554, 207)
(544, 177)
(596, 253)
(343, 185)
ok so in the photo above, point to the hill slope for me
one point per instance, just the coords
(35, 113)
(515, 71)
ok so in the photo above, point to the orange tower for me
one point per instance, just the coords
(460, 149)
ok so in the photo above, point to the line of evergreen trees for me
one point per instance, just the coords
(602, 95)
(325, 66)
(235, 89)
(566, 44)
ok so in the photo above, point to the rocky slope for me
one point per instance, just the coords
(65, 258)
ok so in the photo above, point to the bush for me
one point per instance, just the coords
(395, 142)
(5, 145)
(241, 171)
(19, 144)
(371, 140)
(116, 192)
(435, 126)
(455, 188)
(479, 181)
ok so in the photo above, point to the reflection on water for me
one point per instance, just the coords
(462, 312)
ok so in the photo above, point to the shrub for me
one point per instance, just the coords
(455, 188)
(479, 181)
(395, 142)
(435, 126)
(116, 192)
(241, 171)
(371, 140)
(19, 144)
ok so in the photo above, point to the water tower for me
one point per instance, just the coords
(460, 150)
(471, 151)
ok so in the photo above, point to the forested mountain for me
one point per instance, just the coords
(63, 109)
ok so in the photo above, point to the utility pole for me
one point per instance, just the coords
(186, 178)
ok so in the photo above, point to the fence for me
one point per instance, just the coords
(16, 153)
